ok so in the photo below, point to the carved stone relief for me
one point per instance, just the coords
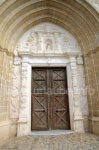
(48, 38)
(15, 95)
(43, 40)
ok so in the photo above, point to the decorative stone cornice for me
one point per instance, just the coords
(31, 54)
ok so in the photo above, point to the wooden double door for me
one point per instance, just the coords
(50, 108)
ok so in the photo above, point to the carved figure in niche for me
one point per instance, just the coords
(48, 44)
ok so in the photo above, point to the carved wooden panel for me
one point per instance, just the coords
(58, 74)
(39, 83)
(40, 112)
(50, 108)
(60, 112)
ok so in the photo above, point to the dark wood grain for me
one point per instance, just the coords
(50, 107)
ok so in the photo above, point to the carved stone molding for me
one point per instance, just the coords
(15, 92)
(24, 96)
(78, 119)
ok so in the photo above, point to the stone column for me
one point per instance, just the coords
(83, 92)
(78, 119)
(23, 128)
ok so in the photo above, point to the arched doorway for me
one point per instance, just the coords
(63, 54)
(16, 18)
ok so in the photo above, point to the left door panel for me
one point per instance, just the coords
(39, 109)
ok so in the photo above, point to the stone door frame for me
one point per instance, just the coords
(27, 62)
(70, 97)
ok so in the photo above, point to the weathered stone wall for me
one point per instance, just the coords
(94, 4)
(92, 81)
(5, 84)
(6, 63)
(17, 17)
(83, 96)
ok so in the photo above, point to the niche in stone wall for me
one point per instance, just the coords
(48, 45)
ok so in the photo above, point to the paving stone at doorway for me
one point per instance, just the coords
(57, 142)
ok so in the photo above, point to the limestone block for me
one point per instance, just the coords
(95, 125)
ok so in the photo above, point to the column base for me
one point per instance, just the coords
(22, 127)
(95, 125)
(79, 125)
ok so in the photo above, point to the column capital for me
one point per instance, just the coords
(80, 60)
(73, 59)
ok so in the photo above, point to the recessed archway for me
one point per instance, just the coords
(64, 52)
(77, 17)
